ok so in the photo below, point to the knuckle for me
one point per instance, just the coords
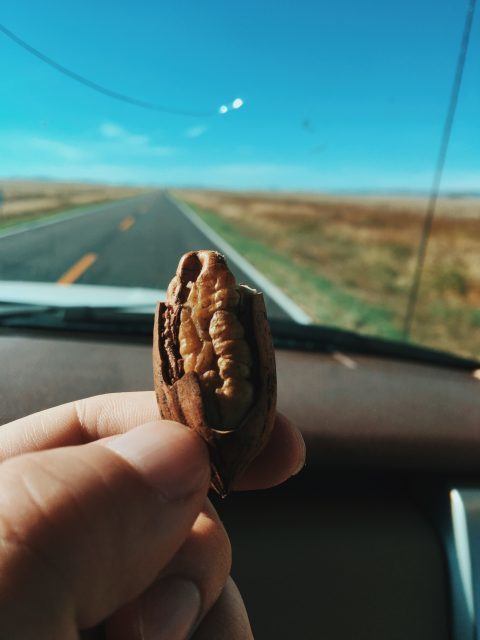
(224, 547)
(80, 407)
(24, 507)
(216, 542)
(25, 522)
(218, 558)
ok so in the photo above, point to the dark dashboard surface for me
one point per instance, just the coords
(353, 409)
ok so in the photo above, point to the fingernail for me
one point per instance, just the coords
(170, 609)
(171, 459)
(302, 449)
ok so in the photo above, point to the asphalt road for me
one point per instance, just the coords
(129, 243)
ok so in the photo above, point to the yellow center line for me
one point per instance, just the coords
(126, 223)
(77, 269)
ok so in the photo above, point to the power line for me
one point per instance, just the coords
(438, 173)
(98, 87)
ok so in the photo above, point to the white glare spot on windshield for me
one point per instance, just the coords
(223, 109)
(237, 103)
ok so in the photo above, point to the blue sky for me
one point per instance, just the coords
(372, 79)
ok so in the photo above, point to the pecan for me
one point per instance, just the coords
(214, 364)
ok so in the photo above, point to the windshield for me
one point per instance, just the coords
(329, 150)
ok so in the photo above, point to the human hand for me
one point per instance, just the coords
(105, 525)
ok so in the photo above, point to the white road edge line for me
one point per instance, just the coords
(282, 300)
(60, 217)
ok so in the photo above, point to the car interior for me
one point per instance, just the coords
(365, 530)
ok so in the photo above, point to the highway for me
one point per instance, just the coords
(130, 243)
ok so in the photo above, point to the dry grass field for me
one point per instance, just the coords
(29, 199)
(348, 261)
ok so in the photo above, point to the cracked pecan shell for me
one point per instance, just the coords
(214, 363)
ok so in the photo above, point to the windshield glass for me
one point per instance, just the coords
(329, 150)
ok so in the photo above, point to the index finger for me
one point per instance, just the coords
(112, 414)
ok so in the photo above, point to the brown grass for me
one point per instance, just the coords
(27, 197)
(365, 249)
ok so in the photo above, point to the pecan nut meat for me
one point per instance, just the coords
(214, 363)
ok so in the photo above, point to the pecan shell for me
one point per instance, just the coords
(214, 363)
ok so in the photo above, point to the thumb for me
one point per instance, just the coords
(85, 529)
